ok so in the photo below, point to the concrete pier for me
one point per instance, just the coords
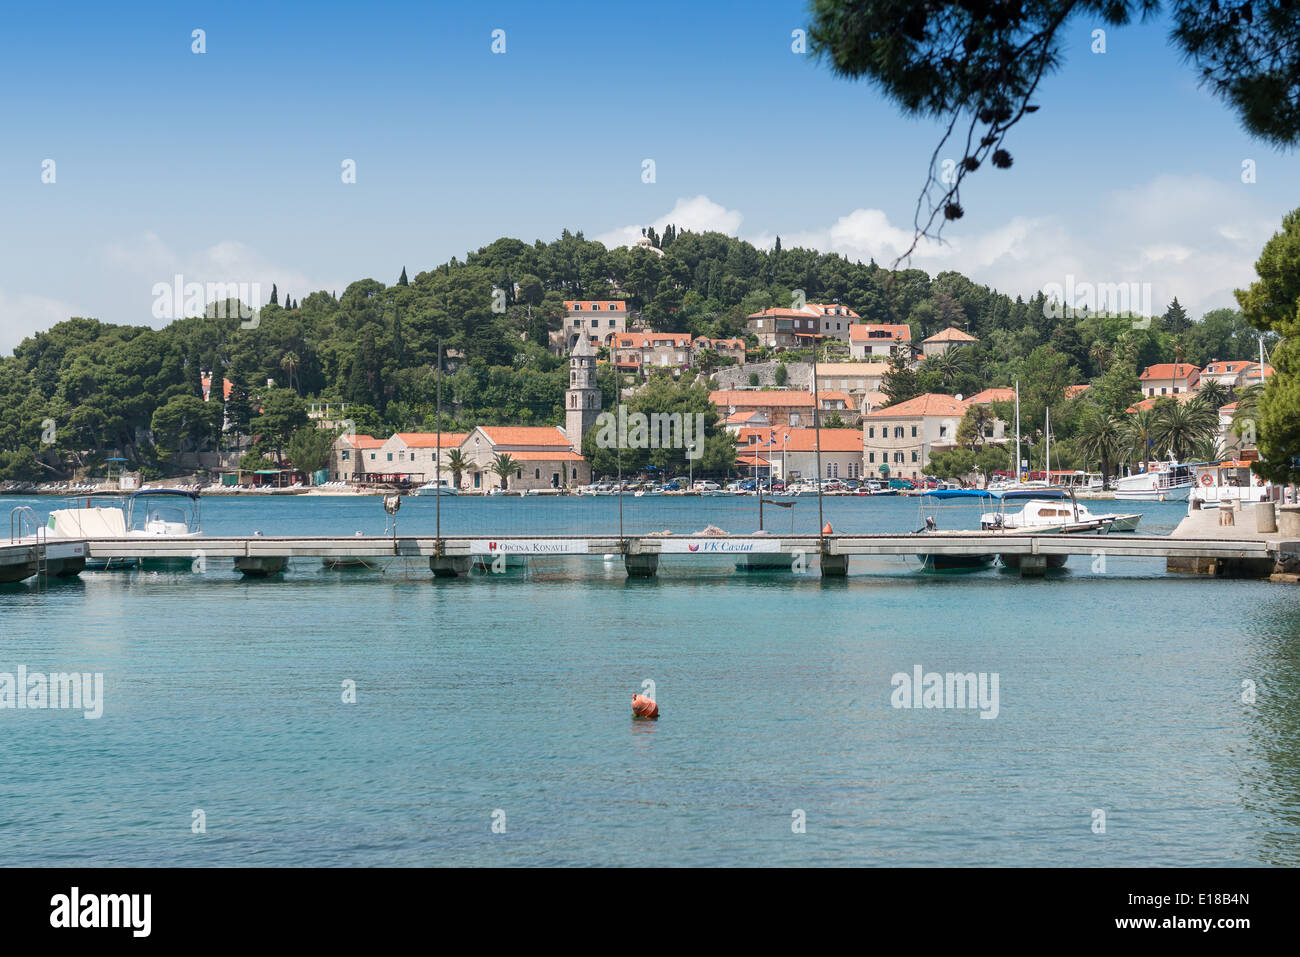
(1200, 546)
(642, 565)
(449, 566)
(834, 566)
(260, 566)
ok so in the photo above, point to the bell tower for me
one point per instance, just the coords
(582, 399)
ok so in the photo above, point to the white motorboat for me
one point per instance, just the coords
(1161, 482)
(148, 513)
(442, 487)
(1061, 514)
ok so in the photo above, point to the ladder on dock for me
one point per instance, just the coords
(22, 518)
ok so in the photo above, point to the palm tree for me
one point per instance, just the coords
(502, 465)
(289, 363)
(1102, 437)
(1215, 393)
(1139, 437)
(1180, 425)
(1210, 449)
(1101, 353)
(950, 363)
(1246, 414)
(457, 464)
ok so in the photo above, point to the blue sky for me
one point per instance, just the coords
(225, 166)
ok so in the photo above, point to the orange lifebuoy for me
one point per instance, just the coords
(1207, 479)
(1259, 480)
(643, 707)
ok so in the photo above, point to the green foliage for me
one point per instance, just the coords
(1273, 303)
(309, 449)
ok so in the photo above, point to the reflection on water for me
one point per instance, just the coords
(1119, 692)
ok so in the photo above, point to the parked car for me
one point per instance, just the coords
(704, 485)
(901, 483)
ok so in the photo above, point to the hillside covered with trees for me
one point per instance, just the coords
(136, 391)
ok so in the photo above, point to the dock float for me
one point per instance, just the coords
(452, 556)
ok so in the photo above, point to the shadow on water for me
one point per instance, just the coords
(1273, 722)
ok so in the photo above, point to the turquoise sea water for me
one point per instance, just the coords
(1120, 691)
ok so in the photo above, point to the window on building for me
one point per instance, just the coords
(898, 456)
(914, 458)
(898, 431)
(871, 431)
(871, 457)
(914, 432)
(988, 432)
(345, 455)
(577, 307)
(390, 456)
(537, 473)
(943, 431)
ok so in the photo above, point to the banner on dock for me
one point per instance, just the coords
(529, 546)
(727, 546)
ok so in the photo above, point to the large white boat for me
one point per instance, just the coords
(1227, 483)
(1161, 482)
(1059, 513)
(148, 513)
(442, 487)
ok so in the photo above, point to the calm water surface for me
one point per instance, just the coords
(1120, 690)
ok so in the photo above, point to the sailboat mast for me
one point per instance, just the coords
(1047, 449)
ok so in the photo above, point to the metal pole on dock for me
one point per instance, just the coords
(817, 441)
(437, 477)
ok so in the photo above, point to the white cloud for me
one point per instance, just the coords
(22, 315)
(1191, 237)
(147, 260)
(696, 213)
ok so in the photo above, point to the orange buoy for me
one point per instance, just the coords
(643, 707)
(827, 529)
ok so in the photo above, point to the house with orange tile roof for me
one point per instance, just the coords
(876, 341)
(796, 328)
(996, 394)
(855, 378)
(791, 407)
(1227, 373)
(598, 319)
(941, 342)
(353, 457)
(1074, 391)
(783, 328)
(726, 348)
(904, 436)
(544, 456)
(1169, 378)
(793, 452)
(415, 454)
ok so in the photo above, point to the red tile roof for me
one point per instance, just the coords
(999, 394)
(525, 435)
(760, 399)
(932, 403)
(861, 332)
(951, 334)
(595, 305)
(1170, 370)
